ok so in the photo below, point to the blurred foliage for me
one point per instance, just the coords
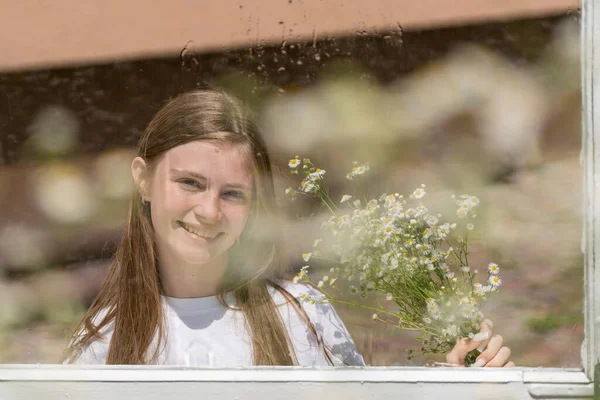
(550, 322)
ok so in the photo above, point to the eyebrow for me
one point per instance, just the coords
(234, 185)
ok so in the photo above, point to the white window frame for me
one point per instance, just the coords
(154, 382)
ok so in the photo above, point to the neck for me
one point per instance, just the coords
(184, 280)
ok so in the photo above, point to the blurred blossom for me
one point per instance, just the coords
(566, 42)
(297, 122)
(54, 130)
(113, 171)
(560, 63)
(23, 246)
(64, 193)
(511, 119)
(336, 110)
(353, 105)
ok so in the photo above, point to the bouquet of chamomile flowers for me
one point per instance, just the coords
(395, 246)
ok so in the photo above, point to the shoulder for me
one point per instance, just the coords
(329, 326)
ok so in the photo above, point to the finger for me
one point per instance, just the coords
(454, 356)
(486, 334)
(464, 346)
(509, 364)
(500, 359)
(494, 345)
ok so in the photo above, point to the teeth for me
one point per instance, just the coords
(197, 232)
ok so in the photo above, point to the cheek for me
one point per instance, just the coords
(170, 202)
(238, 216)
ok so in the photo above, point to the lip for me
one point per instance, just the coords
(217, 236)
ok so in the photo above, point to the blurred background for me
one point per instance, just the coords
(472, 96)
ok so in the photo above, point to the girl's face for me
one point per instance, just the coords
(200, 196)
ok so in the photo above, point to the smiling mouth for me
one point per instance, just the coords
(209, 236)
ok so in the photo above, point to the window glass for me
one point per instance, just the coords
(488, 105)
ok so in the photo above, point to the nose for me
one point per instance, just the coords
(208, 208)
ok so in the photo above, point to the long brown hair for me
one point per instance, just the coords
(131, 295)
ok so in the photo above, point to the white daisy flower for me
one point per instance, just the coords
(432, 306)
(495, 281)
(465, 268)
(432, 220)
(320, 284)
(452, 330)
(427, 233)
(418, 193)
(493, 268)
(444, 230)
(318, 174)
(306, 256)
(470, 227)
(473, 201)
(345, 198)
(316, 242)
(294, 163)
(308, 186)
(427, 320)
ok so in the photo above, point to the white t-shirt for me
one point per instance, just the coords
(202, 332)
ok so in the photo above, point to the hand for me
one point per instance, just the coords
(493, 354)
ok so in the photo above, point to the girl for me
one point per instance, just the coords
(198, 278)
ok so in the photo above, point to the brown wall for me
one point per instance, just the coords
(38, 34)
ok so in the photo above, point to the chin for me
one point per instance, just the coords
(197, 259)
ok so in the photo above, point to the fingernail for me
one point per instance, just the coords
(481, 336)
(479, 363)
(481, 347)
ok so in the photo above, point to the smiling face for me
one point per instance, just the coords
(200, 195)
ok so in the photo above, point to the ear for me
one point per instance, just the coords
(139, 171)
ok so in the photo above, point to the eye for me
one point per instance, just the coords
(235, 194)
(190, 183)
